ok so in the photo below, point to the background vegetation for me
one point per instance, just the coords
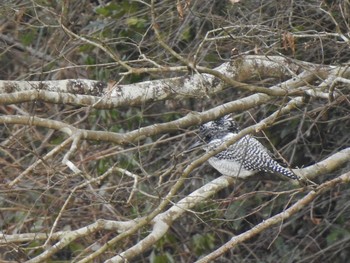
(35, 46)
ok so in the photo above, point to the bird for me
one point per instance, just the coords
(245, 157)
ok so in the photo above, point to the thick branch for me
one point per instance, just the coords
(101, 94)
(99, 225)
(345, 178)
(163, 221)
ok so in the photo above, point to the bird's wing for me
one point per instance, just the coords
(250, 153)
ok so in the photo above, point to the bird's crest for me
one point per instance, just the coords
(218, 128)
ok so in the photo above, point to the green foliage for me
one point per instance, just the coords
(160, 254)
(34, 247)
(116, 10)
(203, 243)
(103, 165)
(75, 248)
(186, 34)
(56, 140)
(108, 10)
(162, 258)
(121, 10)
(236, 213)
(138, 23)
(28, 37)
(337, 234)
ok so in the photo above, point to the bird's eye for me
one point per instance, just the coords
(207, 138)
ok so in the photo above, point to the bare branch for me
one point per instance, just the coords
(197, 85)
(163, 221)
(300, 204)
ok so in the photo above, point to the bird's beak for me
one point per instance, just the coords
(197, 145)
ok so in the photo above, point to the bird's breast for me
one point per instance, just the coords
(230, 167)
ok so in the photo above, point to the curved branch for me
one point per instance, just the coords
(300, 204)
(163, 221)
(103, 95)
(100, 224)
(327, 165)
(190, 120)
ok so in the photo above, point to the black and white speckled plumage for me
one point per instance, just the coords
(245, 157)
